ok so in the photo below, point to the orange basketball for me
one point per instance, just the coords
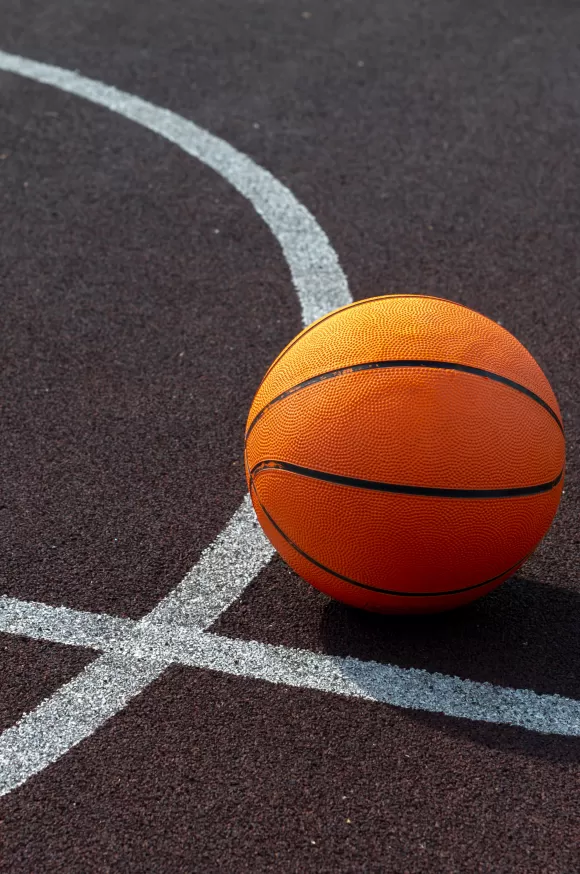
(405, 454)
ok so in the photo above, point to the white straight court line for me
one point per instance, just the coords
(152, 647)
(229, 565)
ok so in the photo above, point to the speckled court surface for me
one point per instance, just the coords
(184, 185)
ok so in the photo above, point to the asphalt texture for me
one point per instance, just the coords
(438, 146)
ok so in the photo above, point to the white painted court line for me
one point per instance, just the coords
(388, 684)
(224, 570)
(316, 273)
(228, 566)
(136, 643)
(61, 624)
(71, 714)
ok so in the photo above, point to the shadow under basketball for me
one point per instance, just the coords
(523, 635)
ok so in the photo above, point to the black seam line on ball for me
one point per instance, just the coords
(375, 588)
(317, 322)
(385, 365)
(350, 306)
(401, 489)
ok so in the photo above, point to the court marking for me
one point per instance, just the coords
(136, 653)
(316, 274)
(228, 565)
(224, 570)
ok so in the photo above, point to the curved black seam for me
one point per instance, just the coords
(383, 365)
(350, 306)
(375, 588)
(318, 322)
(400, 489)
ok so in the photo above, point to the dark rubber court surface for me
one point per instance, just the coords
(437, 144)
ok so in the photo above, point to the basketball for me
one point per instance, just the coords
(405, 454)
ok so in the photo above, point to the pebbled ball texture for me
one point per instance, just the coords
(405, 454)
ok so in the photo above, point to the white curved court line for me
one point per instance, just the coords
(228, 566)
(224, 570)
(316, 273)
(71, 714)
